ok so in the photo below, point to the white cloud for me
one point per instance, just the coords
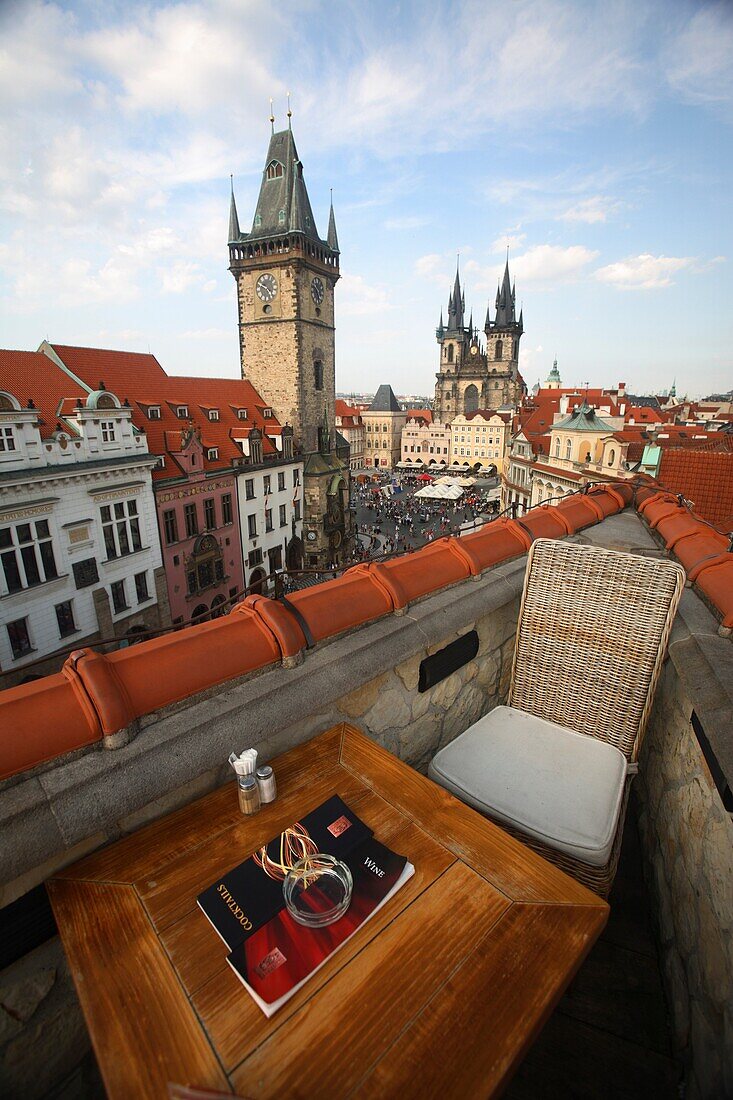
(596, 208)
(698, 60)
(358, 298)
(542, 264)
(179, 277)
(512, 241)
(644, 272)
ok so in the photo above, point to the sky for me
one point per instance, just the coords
(595, 140)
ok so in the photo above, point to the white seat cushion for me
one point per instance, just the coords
(561, 787)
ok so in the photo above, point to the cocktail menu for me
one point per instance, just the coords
(270, 952)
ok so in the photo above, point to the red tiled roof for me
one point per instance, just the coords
(30, 374)
(142, 380)
(704, 476)
(343, 409)
(420, 414)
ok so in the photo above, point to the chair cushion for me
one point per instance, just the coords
(561, 787)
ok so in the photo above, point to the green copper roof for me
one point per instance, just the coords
(583, 419)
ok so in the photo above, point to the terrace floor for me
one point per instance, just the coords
(609, 1036)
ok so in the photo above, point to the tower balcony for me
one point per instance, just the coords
(141, 733)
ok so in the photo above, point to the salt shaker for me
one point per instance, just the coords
(266, 783)
(249, 794)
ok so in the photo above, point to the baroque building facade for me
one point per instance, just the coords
(80, 560)
(286, 276)
(471, 377)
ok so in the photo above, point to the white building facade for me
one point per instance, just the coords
(80, 558)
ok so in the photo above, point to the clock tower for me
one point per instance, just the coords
(286, 276)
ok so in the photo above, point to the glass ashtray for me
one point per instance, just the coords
(317, 890)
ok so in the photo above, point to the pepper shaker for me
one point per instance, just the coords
(249, 794)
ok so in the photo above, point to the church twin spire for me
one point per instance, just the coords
(505, 309)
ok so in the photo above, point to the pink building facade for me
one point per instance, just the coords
(198, 519)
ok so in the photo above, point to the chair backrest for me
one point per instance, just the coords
(592, 633)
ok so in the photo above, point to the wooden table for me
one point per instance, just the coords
(440, 994)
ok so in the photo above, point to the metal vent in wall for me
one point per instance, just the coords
(447, 660)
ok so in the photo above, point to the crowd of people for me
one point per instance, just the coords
(395, 520)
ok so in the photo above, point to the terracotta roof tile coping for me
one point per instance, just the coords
(96, 696)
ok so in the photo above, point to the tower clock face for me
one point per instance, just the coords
(317, 290)
(266, 287)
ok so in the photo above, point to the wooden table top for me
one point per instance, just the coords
(441, 993)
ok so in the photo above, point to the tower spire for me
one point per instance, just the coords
(272, 118)
(290, 113)
(234, 233)
(332, 236)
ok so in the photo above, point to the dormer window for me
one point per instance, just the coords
(161, 462)
(7, 440)
(258, 220)
(108, 431)
(267, 413)
(281, 217)
(212, 453)
(213, 414)
(274, 170)
(182, 412)
(242, 414)
(154, 412)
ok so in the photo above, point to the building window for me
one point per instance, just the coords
(450, 353)
(212, 453)
(557, 448)
(242, 414)
(191, 520)
(170, 526)
(119, 599)
(249, 488)
(141, 587)
(121, 528)
(154, 412)
(182, 412)
(267, 414)
(254, 558)
(498, 349)
(283, 516)
(26, 552)
(281, 217)
(7, 440)
(20, 641)
(267, 484)
(568, 448)
(213, 414)
(274, 170)
(296, 477)
(226, 508)
(252, 526)
(65, 618)
(268, 519)
(209, 513)
(281, 481)
(108, 431)
(296, 509)
(318, 374)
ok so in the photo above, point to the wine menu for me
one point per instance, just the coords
(271, 953)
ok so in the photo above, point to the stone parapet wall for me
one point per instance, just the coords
(687, 837)
(180, 754)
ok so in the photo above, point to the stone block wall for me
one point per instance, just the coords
(688, 840)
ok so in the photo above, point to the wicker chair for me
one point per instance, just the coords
(554, 766)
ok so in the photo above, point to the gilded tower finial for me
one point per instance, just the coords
(290, 113)
(272, 117)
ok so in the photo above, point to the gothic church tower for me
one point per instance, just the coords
(470, 378)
